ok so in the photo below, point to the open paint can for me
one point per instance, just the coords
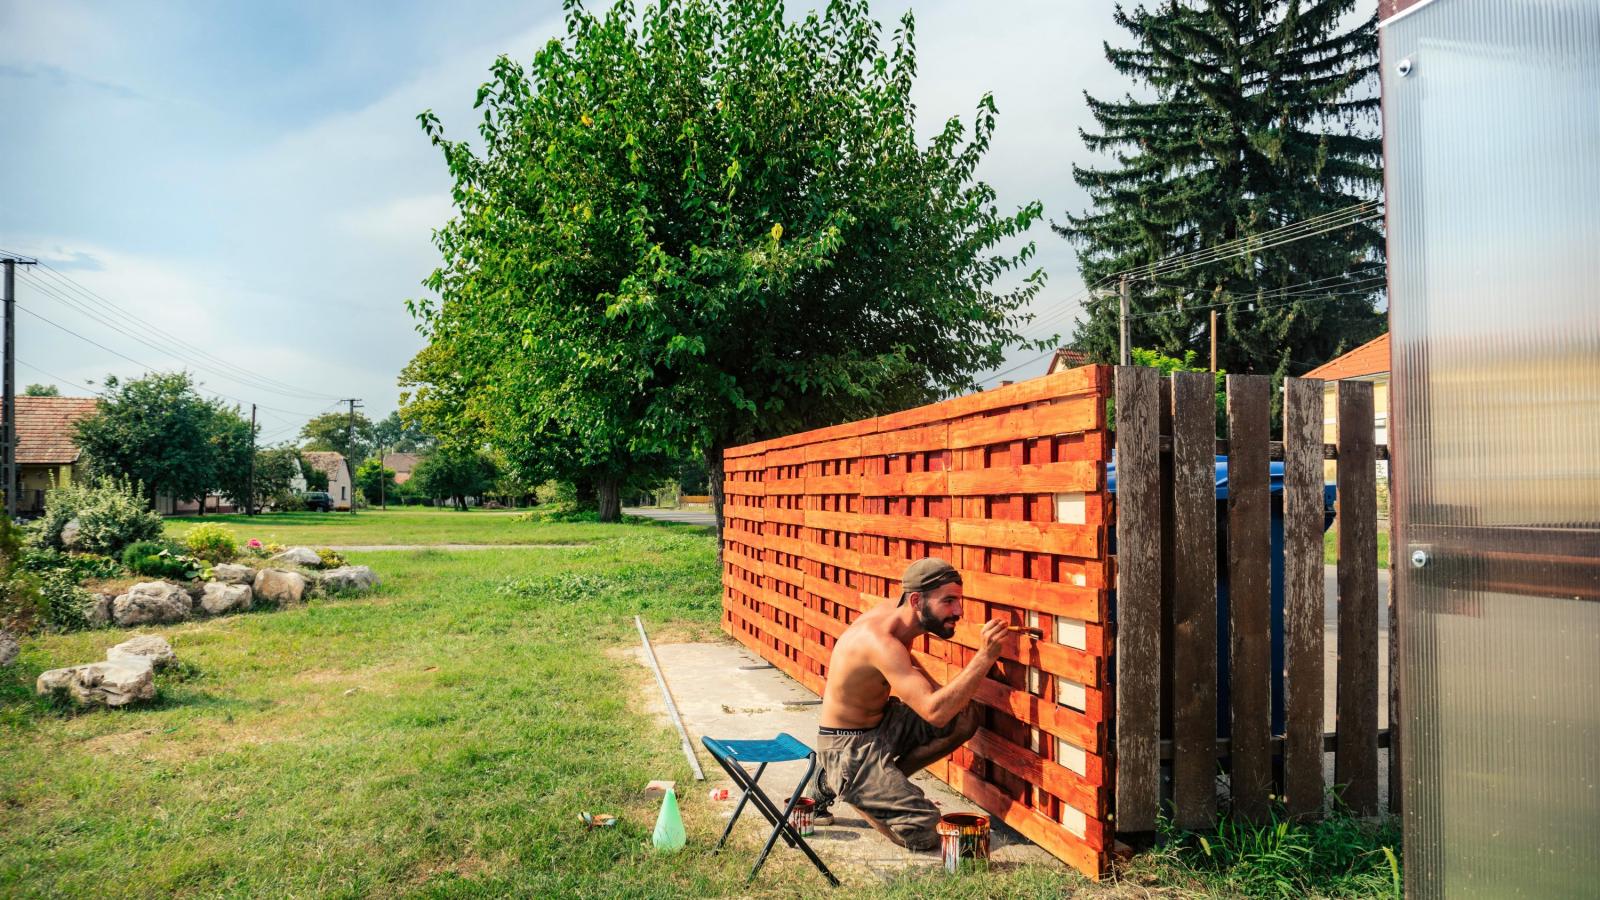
(800, 817)
(964, 841)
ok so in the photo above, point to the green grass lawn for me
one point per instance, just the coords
(436, 738)
(403, 526)
(1330, 547)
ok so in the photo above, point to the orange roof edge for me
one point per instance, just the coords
(1371, 358)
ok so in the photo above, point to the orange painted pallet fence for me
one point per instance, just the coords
(1010, 486)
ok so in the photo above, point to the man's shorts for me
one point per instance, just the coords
(857, 766)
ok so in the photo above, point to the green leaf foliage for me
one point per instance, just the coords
(1250, 116)
(699, 223)
(159, 432)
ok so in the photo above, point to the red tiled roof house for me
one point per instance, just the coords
(47, 453)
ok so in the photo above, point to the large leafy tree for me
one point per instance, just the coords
(706, 223)
(455, 473)
(159, 431)
(333, 431)
(1255, 114)
(393, 434)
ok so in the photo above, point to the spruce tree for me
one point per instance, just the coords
(1256, 114)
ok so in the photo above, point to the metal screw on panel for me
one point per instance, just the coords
(1404, 67)
(1419, 558)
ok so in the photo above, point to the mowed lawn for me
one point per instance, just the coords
(436, 738)
(404, 526)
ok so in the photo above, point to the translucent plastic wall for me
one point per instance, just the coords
(1492, 136)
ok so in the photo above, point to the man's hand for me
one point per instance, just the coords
(995, 631)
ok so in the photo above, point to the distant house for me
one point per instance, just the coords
(403, 464)
(47, 453)
(1067, 358)
(1368, 362)
(341, 482)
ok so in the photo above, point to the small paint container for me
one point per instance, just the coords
(800, 818)
(964, 841)
(718, 794)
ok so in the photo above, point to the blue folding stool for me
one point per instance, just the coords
(732, 756)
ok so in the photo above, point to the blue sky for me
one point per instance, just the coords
(250, 178)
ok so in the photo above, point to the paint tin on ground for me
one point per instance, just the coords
(964, 841)
(718, 794)
(800, 818)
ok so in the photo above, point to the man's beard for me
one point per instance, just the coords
(944, 628)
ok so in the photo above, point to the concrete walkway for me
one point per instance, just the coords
(725, 691)
(683, 516)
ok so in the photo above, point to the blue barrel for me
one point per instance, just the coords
(1329, 495)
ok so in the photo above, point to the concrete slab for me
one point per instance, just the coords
(725, 691)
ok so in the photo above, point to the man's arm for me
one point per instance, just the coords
(914, 689)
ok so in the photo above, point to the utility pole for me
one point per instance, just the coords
(250, 500)
(1127, 353)
(8, 416)
(1213, 340)
(383, 481)
(350, 450)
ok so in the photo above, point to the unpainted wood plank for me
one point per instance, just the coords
(1355, 763)
(1194, 602)
(1396, 770)
(1138, 650)
(1250, 595)
(1303, 600)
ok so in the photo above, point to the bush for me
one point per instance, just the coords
(211, 542)
(289, 503)
(155, 559)
(331, 558)
(558, 493)
(65, 605)
(111, 515)
(82, 565)
(20, 604)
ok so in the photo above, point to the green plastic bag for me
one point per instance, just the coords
(669, 834)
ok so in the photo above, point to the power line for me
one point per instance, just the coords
(134, 322)
(190, 359)
(143, 365)
(56, 378)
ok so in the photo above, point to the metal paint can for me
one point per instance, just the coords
(964, 841)
(800, 818)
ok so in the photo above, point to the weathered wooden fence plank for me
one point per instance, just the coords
(1303, 595)
(1395, 769)
(1138, 724)
(1356, 760)
(1194, 610)
(1250, 594)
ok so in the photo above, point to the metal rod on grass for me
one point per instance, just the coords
(672, 708)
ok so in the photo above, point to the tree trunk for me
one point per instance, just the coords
(714, 485)
(608, 490)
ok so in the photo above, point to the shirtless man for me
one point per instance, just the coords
(869, 743)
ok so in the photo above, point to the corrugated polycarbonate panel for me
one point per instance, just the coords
(1492, 143)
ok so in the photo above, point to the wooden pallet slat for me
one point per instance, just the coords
(1356, 761)
(1302, 586)
(1194, 601)
(1138, 600)
(1250, 595)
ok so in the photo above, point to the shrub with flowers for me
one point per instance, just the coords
(331, 559)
